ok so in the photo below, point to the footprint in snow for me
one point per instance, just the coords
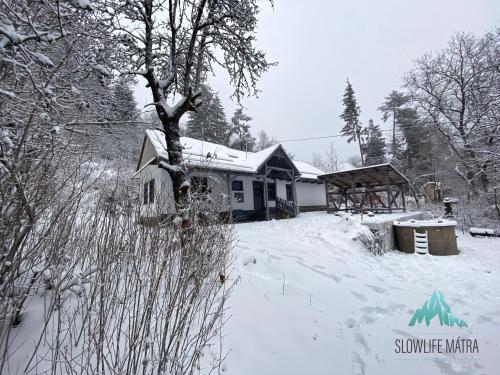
(319, 267)
(349, 276)
(447, 368)
(359, 296)
(350, 323)
(359, 339)
(376, 309)
(358, 365)
(484, 319)
(377, 289)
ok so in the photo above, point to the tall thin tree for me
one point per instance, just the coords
(352, 129)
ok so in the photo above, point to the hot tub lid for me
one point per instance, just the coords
(425, 223)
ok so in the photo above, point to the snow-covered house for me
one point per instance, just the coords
(259, 185)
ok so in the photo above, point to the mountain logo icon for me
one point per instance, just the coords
(436, 306)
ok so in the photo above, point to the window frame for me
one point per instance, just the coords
(145, 193)
(271, 191)
(239, 182)
(240, 194)
(152, 190)
(289, 192)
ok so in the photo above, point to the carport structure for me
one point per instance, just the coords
(377, 188)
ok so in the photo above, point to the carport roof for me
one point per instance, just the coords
(373, 175)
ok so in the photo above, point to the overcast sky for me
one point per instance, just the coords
(320, 43)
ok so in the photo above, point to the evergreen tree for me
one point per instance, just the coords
(241, 138)
(209, 122)
(375, 145)
(352, 128)
(421, 142)
(393, 107)
(123, 104)
(411, 142)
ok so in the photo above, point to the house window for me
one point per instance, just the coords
(148, 194)
(145, 193)
(152, 191)
(237, 185)
(289, 193)
(239, 197)
(199, 184)
(271, 191)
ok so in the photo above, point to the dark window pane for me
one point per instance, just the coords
(237, 185)
(239, 197)
(271, 191)
(145, 193)
(289, 193)
(152, 191)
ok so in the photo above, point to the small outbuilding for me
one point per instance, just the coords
(376, 188)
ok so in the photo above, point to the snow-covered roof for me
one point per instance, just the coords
(307, 170)
(198, 153)
(379, 174)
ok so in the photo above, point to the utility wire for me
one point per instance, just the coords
(322, 137)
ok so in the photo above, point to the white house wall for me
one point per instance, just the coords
(163, 201)
(247, 204)
(310, 194)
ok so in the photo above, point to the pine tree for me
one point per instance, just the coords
(123, 104)
(241, 138)
(393, 107)
(421, 143)
(352, 128)
(122, 134)
(375, 145)
(209, 122)
(411, 143)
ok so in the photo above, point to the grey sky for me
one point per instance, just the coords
(320, 43)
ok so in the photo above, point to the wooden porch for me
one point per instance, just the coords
(377, 188)
(277, 167)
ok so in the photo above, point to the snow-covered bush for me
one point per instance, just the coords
(132, 298)
(373, 241)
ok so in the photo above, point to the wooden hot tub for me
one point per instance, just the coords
(441, 238)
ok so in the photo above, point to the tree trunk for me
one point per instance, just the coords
(175, 158)
(361, 150)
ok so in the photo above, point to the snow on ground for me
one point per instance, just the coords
(342, 308)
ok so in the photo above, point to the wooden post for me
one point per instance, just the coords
(344, 196)
(403, 197)
(353, 195)
(327, 197)
(295, 204)
(230, 195)
(388, 188)
(266, 201)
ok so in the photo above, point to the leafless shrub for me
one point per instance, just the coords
(119, 297)
(373, 241)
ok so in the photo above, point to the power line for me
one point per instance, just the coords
(322, 137)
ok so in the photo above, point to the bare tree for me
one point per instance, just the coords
(456, 91)
(173, 44)
(42, 75)
(111, 296)
(329, 162)
(264, 141)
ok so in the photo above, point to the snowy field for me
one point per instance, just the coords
(315, 302)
